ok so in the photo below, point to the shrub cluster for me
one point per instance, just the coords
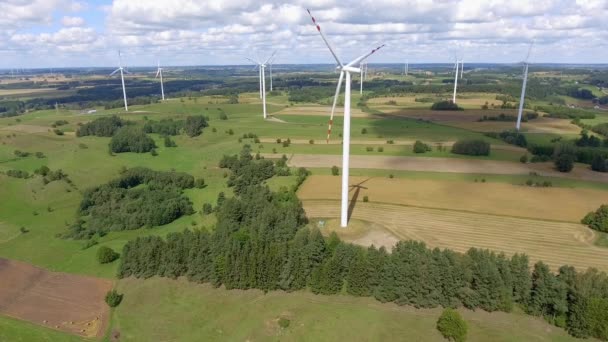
(598, 219)
(131, 139)
(102, 127)
(420, 147)
(445, 105)
(471, 147)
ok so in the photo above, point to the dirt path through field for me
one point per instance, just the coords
(443, 165)
(66, 302)
(555, 243)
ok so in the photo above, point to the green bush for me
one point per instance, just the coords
(169, 142)
(471, 147)
(113, 298)
(452, 326)
(194, 125)
(524, 159)
(365, 198)
(445, 105)
(106, 255)
(284, 322)
(420, 147)
(131, 139)
(380, 149)
(598, 219)
(335, 170)
(564, 163)
(599, 164)
(207, 209)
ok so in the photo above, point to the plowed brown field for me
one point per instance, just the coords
(71, 303)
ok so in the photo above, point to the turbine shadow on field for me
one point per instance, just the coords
(353, 201)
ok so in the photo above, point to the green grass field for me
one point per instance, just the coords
(18, 331)
(166, 310)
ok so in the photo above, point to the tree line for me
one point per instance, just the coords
(261, 240)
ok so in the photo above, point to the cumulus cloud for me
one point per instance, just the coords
(221, 32)
(72, 21)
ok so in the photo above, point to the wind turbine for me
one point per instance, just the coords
(122, 79)
(262, 67)
(523, 89)
(406, 68)
(455, 80)
(159, 72)
(345, 72)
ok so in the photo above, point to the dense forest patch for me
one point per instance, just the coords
(139, 198)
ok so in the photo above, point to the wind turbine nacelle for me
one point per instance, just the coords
(351, 69)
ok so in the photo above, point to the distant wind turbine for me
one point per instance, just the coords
(159, 72)
(122, 79)
(262, 67)
(345, 70)
(523, 89)
(455, 80)
(461, 68)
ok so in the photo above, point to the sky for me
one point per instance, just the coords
(72, 33)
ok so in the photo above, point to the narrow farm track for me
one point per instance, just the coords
(555, 243)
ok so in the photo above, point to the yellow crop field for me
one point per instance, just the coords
(555, 243)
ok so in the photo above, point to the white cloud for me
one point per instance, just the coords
(72, 21)
(221, 32)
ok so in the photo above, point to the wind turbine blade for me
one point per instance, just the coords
(529, 51)
(115, 71)
(333, 107)
(252, 61)
(271, 56)
(324, 38)
(363, 57)
(157, 72)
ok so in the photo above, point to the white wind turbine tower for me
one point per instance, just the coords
(262, 67)
(159, 72)
(461, 68)
(406, 68)
(345, 70)
(455, 80)
(270, 62)
(122, 78)
(523, 89)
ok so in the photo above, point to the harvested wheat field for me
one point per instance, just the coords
(455, 165)
(489, 198)
(70, 303)
(555, 243)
